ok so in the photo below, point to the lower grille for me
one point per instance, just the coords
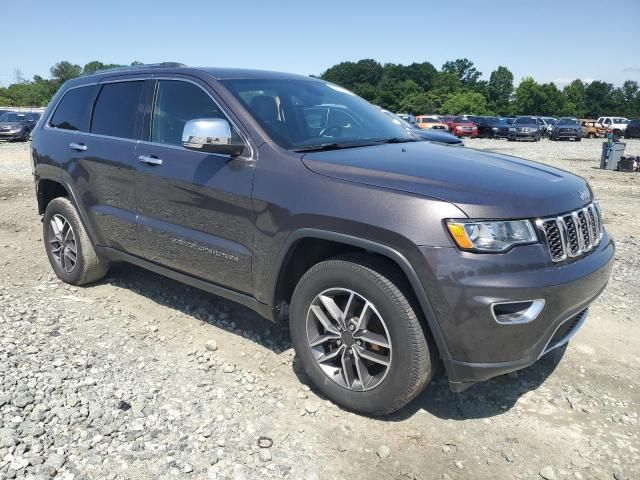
(566, 330)
(572, 234)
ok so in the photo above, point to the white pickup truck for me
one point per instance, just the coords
(616, 125)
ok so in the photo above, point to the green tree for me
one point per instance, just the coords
(466, 102)
(464, 70)
(63, 71)
(350, 74)
(574, 104)
(499, 90)
(529, 98)
(598, 99)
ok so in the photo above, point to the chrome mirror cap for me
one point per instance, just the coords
(211, 135)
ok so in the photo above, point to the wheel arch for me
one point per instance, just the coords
(288, 272)
(48, 189)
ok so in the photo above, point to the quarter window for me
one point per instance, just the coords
(177, 102)
(73, 110)
(116, 109)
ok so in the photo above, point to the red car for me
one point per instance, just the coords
(460, 126)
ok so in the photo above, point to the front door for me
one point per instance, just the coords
(194, 209)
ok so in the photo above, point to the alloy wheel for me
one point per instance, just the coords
(348, 339)
(62, 242)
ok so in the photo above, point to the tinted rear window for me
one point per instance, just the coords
(116, 109)
(74, 109)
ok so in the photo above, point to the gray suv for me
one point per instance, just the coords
(386, 255)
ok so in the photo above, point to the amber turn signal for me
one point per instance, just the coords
(460, 235)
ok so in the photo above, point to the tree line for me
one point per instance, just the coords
(458, 87)
(418, 88)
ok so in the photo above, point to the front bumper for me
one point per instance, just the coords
(523, 135)
(462, 287)
(7, 135)
(567, 133)
(463, 133)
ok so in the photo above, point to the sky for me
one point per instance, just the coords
(551, 40)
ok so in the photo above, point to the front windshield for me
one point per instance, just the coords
(397, 119)
(13, 117)
(496, 120)
(429, 120)
(567, 121)
(524, 121)
(459, 120)
(309, 113)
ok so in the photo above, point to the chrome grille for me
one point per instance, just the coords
(572, 234)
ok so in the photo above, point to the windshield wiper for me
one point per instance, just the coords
(331, 146)
(341, 146)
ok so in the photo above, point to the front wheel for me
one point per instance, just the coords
(359, 337)
(69, 249)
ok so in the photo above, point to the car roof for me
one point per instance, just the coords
(167, 68)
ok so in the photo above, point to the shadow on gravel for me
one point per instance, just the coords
(483, 400)
(198, 304)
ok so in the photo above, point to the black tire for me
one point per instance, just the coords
(25, 136)
(89, 267)
(578, 139)
(413, 356)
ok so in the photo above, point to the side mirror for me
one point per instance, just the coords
(211, 135)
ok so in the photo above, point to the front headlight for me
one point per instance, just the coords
(458, 127)
(512, 129)
(495, 129)
(494, 237)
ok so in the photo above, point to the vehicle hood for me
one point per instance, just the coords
(567, 125)
(12, 124)
(524, 125)
(482, 184)
(462, 124)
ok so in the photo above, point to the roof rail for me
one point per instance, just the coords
(141, 65)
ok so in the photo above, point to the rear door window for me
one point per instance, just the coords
(117, 108)
(74, 109)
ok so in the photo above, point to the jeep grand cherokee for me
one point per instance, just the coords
(386, 255)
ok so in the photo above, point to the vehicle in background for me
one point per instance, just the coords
(633, 129)
(549, 123)
(492, 127)
(430, 135)
(460, 126)
(3, 111)
(567, 128)
(15, 126)
(407, 117)
(509, 119)
(430, 122)
(33, 118)
(615, 125)
(591, 128)
(472, 118)
(524, 128)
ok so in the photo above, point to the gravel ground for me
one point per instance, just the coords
(139, 377)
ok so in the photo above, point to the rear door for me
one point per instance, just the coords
(99, 160)
(195, 212)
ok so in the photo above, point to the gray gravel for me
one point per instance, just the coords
(139, 377)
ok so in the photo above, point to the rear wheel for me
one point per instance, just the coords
(359, 337)
(69, 249)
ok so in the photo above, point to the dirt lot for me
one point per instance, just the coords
(139, 377)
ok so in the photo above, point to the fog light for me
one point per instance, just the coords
(511, 313)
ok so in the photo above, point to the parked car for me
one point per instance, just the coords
(407, 117)
(431, 135)
(591, 129)
(492, 127)
(633, 129)
(567, 128)
(430, 122)
(615, 125)
(15, 126)
(385, 255)
(524, 128)
(33, 118)
(460, 126)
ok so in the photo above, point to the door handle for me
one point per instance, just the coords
(149, 160)
(80, 147)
